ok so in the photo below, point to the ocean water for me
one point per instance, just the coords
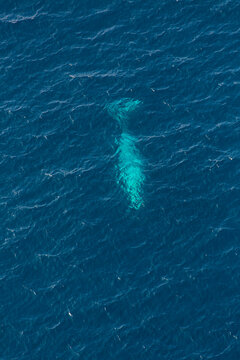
(86, 270)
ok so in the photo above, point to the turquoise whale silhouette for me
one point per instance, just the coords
(130, 163)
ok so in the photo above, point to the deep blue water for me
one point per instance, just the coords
(83, 275)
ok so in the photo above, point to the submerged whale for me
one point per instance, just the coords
(130, 163)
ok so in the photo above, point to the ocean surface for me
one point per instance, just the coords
(120, 241)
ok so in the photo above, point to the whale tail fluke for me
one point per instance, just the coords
(121, 109)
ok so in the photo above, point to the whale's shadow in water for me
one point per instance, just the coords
(130, 163)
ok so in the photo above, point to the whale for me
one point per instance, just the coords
(129, 166)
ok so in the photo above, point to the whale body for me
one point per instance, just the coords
(130, 163)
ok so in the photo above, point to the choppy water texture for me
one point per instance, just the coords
(83, 274)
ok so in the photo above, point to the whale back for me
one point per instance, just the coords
(130, 163)
(130, 169)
